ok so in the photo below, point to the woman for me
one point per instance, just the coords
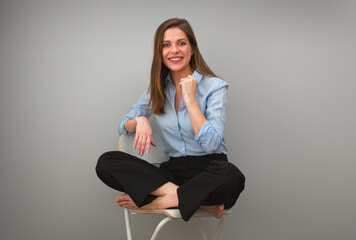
(189, 102)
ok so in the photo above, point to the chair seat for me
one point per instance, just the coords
(174, 213)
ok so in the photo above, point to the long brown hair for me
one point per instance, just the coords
(159, 71)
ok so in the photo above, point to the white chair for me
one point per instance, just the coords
(156, 154)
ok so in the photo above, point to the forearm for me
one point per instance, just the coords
(208, 127)
(196, 116)
(188, 87)
(127, 125)
(211, 132)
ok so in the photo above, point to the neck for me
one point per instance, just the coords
(177, 76)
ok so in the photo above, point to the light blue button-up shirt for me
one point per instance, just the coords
(176, 130)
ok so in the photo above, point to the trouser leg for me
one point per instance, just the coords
(132, 175)
(220, 182)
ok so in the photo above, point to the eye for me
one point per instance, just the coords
(181, 43)
(165, 45)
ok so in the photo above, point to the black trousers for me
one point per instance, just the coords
(202, 180)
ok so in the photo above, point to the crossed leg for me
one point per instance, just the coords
(166, 197)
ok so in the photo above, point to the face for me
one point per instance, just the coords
(176, 51)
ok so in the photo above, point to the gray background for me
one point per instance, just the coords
(71, 69)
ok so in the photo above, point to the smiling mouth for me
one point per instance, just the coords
(175, 59)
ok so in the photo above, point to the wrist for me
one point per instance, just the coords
(139, 118)
(190, 101)
(130, 125)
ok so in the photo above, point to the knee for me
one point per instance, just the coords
(113, 160)
(103, 163)
(232, 177)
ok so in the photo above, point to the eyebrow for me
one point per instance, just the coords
(177, 40)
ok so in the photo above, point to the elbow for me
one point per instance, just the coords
(209, 139)
(213, 145)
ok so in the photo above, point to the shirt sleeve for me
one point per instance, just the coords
(136, 110)
(211, 133)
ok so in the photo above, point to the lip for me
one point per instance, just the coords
(176, 59)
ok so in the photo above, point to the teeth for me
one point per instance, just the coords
(175, 59)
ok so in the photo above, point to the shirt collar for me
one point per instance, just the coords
(195, 75)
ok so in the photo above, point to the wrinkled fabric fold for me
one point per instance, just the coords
(202, 180)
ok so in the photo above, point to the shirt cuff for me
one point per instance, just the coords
(121, 128)
(205, 133)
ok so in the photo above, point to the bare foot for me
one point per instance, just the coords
(217, 210)
(166, 197)
(125, 201)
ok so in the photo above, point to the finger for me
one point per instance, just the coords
(139, 145)
(135, 141)
(123, 206)
(148, 145)
(127, 205)
(191, 77)
(142, 145)
(153, 142)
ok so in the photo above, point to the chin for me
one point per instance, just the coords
(176, 68)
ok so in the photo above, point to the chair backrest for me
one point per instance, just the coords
(156, 154)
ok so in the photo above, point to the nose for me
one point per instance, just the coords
(174, 48)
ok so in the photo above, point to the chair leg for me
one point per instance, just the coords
(202, 229)
(159, 226)
(128, 224)
(218, 230)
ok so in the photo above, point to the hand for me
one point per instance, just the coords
(188, 86)
(143, 138)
